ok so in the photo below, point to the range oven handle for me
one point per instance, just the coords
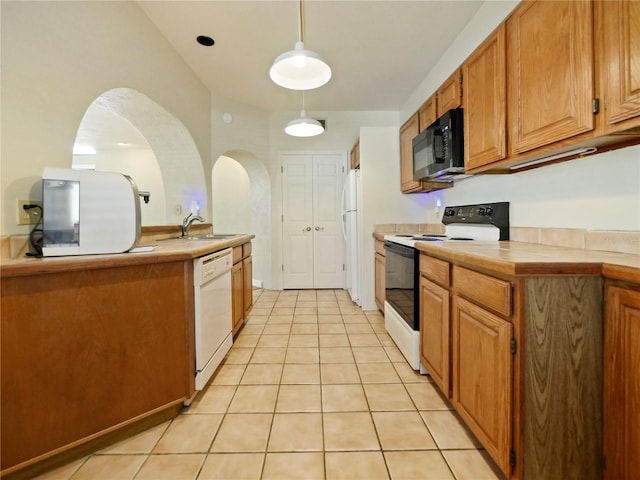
(398, 249)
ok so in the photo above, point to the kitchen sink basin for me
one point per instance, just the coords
(210, 236)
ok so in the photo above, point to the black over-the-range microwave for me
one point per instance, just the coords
(438, 151)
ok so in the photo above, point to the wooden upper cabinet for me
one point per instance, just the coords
(449, 95)
(355, 155)
(485, 106)
(550, 73)
(428, 113)
(619, 65)
(408, 131)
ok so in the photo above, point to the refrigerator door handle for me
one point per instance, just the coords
(344, 225)
(344, 191)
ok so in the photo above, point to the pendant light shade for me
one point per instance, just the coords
(300, 69)
(304, 126)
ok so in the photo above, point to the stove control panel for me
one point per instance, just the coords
(496, 214)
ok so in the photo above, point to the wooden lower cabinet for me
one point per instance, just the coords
(622, 383)
(380, 274)
(237, 296)
(87, 352)
(483, 376)
(247, 285)
(241, 285)
(435, 347)
(525, 371)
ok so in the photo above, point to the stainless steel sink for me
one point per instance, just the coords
(210, 236)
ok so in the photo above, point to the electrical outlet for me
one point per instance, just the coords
(177, 209)
(31, 216)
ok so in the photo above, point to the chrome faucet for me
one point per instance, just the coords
(188, 220)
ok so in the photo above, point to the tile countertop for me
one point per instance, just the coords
(168, 250)
(509, 258)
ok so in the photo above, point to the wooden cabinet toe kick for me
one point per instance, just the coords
(92, 443)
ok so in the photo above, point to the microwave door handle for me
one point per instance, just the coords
(436, 133)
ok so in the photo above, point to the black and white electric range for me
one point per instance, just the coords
(481, 222)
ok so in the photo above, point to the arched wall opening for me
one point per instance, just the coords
(181, 182)
(241, 199)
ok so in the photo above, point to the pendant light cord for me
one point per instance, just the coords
(301, 28)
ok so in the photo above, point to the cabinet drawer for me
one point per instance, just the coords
(237, 254)
(246, 250)
(380, 247)
(435, 270)
(486, 291)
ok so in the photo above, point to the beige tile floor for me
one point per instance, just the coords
(313, 388)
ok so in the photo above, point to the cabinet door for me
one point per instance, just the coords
(449, 95)
(247, 267)
(434, 333)
(407, 133)
(237, 295)
(483, 377)
(622, 384)
(549, 72)
(428, 113)
(620, 63)
(380, 280)
(355, 156)
(485, 106)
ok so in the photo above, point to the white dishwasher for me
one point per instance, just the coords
(213, 323)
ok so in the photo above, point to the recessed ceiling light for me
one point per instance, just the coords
(206, 41)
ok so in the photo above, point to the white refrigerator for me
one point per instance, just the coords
(351, 230)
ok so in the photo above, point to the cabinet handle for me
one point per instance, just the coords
(308, 229)
(319, 228)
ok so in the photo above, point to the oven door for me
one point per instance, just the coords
(401, 282)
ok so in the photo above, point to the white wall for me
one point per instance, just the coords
(245, 138)
(57, 57)
(382, 201)
(230, 197)
(597, 192)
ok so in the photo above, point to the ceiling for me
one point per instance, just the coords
(379, 50)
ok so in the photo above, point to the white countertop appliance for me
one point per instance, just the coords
(482, 222)
(86, 212)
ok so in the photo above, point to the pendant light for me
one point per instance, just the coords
(304, 126)
(300, 69)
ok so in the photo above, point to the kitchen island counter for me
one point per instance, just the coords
(166, 250)
(95, 348)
